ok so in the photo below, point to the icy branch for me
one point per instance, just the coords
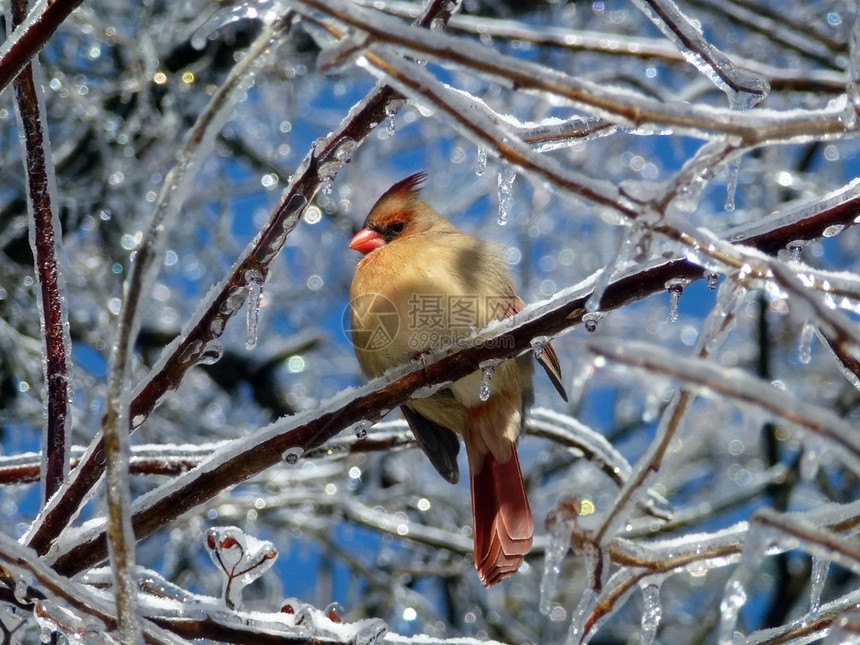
(712, 380)
(623, 107)
(45, 240)
(41, 23)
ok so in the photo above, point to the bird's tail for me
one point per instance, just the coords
(501, 516)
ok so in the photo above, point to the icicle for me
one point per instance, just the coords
(590, 321)
(816, 583)
(538, 344)
(635, 245)
(563, 522)
(652, 612)
(713, 279)
(254, 284)
(675, 288)
(795, 249)
(804, 348)
(487, 372)
(735, 595)
(481, 165)
(732, 171)
(721, 320)
(391, 117)
(292, 455)
(507, 174)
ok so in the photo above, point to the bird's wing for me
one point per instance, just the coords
(439, 443)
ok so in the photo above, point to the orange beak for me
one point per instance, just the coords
(366, 240)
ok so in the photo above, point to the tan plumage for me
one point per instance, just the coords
(415, 258)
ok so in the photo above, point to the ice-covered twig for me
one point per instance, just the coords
(20, 564)
(41, 23)
(782, 27)
(177, 185)
(617, 105)
(641, 560)
(654, 49)
(467, 115)
(713, 380)
(702, 54)
(832, 623)
(571, 433)
(716, 328)
(45, 239)
(769, 528)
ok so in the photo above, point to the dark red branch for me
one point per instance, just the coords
(45, 240)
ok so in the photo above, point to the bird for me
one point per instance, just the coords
(424, 285)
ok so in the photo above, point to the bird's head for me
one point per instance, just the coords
(399, 212)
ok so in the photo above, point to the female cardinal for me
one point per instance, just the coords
(424, 285)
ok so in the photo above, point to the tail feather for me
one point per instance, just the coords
(501, 517)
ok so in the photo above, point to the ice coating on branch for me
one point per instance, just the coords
(818, 577)
(331, 165)
(652, 612)
(261, 9)
(739, 84)
(507, 174)
(254, 285)
(240, 558)
(561, 526)
(853, 87)
(210, 355)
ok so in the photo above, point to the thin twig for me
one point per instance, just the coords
(45, 238)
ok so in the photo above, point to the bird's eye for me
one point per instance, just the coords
(396, 228)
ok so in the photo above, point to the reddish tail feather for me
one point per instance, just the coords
(501, 517)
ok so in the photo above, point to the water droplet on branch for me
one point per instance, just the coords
(292, 455)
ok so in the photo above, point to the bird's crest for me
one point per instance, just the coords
(408, 187)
